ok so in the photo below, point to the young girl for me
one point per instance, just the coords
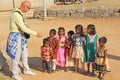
(78, 51)
(68, 50)
(46, 55)
(61, 49)
(101, 62)
(54, 46)
(91, 46)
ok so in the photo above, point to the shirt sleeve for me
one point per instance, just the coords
(19, 21)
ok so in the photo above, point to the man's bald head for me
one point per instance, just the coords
(26, 3)
(25, 6)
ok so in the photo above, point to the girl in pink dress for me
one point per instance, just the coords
(61, 38)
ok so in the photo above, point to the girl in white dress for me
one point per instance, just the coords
(78, 45)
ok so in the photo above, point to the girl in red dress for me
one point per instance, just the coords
(68, 50)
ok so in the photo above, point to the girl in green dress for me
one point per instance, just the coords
(91, 46)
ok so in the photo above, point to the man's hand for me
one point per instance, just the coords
(39, 35)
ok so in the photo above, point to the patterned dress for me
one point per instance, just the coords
(68, 52)
(101, 64)
(45, 55)
(54, 46)
(91, 47)
(61, 52)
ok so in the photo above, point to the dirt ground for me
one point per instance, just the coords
(109, 27)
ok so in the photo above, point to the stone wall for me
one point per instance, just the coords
(80, 13)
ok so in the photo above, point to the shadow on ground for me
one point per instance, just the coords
(35, 63)
(4, 65)
(113, 57)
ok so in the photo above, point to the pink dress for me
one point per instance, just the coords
(61, 52)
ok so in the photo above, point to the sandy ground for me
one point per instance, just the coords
(105, 27)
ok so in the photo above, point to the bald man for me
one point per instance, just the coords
(16, 43)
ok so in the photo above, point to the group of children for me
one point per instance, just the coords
(59, 51)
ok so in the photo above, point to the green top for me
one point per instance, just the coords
(91, 46)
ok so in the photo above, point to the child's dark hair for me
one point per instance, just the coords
(70, 32)
(92, 28)
(60, 29)
(53, 31)
(80, 27)
(45, 40)
(103, 39)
